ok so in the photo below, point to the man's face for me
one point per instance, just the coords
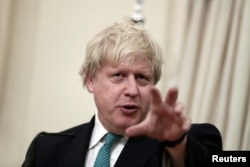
(122, 94)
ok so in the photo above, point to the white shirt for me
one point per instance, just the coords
(97, 141)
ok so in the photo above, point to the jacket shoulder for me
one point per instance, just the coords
(51, 140)
(202, 138)
(206, 132)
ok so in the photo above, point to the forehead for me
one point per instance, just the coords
(129, 57)
(143, 66)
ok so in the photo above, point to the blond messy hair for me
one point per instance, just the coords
(121, 42)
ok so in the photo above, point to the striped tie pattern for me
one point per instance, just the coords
(103, 156)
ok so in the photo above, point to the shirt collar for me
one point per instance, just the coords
(98, 132)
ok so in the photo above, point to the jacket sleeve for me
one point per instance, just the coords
(202, 138)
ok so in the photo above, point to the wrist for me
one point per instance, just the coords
(167, 143)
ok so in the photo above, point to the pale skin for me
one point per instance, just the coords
(128, 103)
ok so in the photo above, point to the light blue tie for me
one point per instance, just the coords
(103, 156)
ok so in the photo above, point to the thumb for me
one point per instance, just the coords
(135, 130)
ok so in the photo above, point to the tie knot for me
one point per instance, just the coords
(111, 138)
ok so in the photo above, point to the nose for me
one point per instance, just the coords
(132, 89)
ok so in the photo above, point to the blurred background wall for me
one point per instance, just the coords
(42, 49)
(42, 45)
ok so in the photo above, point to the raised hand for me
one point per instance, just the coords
(165, 119)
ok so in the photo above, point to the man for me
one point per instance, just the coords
(121, 67)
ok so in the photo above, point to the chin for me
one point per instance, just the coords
(127, 122)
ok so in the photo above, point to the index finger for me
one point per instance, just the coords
(172, 96)
(155, 96)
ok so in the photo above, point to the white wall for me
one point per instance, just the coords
(46, 39)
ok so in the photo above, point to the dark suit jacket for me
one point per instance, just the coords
(69, 148)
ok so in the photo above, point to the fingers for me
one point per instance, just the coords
(178, 108)
(182, 120)
(170, 105)
(135, 130)
(172, 96)
(186, 124)
(156, 96)
(178, 113)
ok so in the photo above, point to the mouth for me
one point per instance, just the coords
(129, 108)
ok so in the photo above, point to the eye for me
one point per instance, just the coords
(142, 79)
(117, 77)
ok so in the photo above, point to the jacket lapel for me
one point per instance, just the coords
(74, 152)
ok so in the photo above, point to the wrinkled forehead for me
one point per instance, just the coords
(140, 67)
(129, 59)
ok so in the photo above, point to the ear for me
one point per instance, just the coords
(89, 84)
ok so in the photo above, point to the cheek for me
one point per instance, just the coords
(146, 109)
(105, 98)
(146, 95)
(146, 100)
